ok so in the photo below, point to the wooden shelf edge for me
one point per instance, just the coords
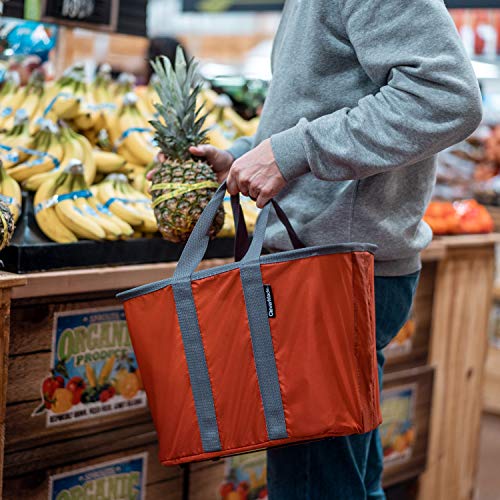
(9, 280)
(98, 279)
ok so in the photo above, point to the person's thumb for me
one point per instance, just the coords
(201, 150)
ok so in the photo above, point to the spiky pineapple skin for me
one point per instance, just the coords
(5, 215)
(178, 215)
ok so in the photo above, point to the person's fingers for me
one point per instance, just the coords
(149, 175)
(241, 178)
(255, 186)
(265, 194)
(232, 185)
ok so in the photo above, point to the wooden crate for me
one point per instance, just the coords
(160, 483)
(406, 408)
(411, 347)
(462, 304)
(205, 480)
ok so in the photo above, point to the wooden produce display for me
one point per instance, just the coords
(125, 474)
(459, 339)
(69, 322)
(74, 398)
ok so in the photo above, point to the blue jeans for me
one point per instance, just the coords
(344, 468)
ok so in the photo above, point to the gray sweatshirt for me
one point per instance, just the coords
(364, 93)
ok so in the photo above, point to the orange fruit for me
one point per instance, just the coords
(63, 401)
(128, 385)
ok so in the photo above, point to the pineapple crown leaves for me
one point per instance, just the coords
(180, 123)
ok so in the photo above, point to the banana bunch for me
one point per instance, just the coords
(15, 143)
(27, 98)
(10, 193)
(139, 180)
(63, 100)
(127, 203)
(66, 210)
(73, 147)
(9, 91)
(131, 134)
(45, 155)
(223, 116)
(108, 162)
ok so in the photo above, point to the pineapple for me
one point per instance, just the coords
(183, 185)
(6, 225)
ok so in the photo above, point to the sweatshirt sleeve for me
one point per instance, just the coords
(428, 99)
(241, 146)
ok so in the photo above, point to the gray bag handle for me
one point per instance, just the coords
(197, 243)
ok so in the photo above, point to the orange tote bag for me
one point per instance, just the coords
(267, 351)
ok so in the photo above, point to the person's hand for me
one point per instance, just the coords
(256, 174)
(218, 159)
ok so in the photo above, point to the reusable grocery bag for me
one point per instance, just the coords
(266, 351)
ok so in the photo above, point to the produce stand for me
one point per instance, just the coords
(439, 369)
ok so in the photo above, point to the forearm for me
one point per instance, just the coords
(241, 146)
(428, 97)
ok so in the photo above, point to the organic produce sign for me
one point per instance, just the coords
(245, 477)
(122, 479)
(93, 371)
(398, 428)
(231, 5)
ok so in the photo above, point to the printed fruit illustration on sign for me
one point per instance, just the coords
(62, 401)
(398, 430)
(76, 385)
(49, 387)
(94, 370)
(182, 185)
(127, 383)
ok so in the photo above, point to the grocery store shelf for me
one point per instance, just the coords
(95, 279)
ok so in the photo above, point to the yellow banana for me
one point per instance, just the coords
(140, 203)
(65, 105)
(71, 149)
(8, 112)
(10, 193)
(49, 158)
(73, 218)
(125, 229)
(217, 139)
(135, 140)
(112, 230)
(107, 162)
(113, 200)
(13, 147)
(244, 127)
(45, 214)
(88, 157)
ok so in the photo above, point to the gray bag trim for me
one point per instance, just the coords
(263, 351)
(264, 259)
(197, 366)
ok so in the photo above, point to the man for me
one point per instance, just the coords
(364, 93)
